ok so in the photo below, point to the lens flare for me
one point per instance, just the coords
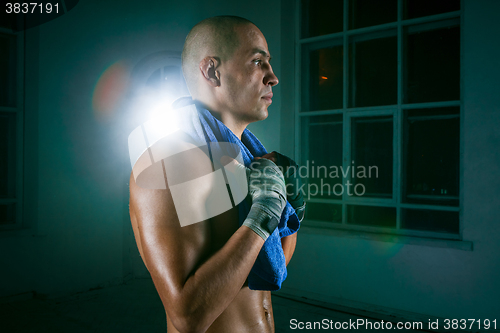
(110, 90)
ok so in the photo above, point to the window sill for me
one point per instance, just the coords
(310, 227)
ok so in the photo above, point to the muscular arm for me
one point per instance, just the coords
(193, 294)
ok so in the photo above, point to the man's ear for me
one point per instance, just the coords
(208, 67)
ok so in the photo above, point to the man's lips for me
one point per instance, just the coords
(268, 97)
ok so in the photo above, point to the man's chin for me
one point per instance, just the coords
(259, 115)
(263, 114)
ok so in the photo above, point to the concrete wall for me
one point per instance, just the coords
(81, 235)
(442, 282)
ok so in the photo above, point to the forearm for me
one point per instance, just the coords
(214, 285)
(288, 244)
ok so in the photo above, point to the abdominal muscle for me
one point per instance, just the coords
(250, 311)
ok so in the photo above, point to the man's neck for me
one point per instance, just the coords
(235, 126)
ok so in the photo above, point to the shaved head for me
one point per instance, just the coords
(215, 37)
(226, 64)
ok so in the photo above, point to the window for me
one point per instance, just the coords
(379, 108)
(11, 125)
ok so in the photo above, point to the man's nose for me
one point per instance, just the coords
(270, 78)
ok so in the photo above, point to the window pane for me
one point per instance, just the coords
(419, 8)
(432, 150)
(324, 212)
(7, 70)
(373, 72)
(13, 22)
(322, 155)
(6, 20)
(433, 65)
(430, 220)
(7, 214)
(371, 154)
(365, 13)
(324, 88)
(322, 17)
(7, 155)
(371, 216)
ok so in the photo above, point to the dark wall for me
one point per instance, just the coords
(81, 236)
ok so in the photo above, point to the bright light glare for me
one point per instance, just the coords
(160, 109)
(163, 122)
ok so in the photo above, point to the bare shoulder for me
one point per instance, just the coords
(171, 252)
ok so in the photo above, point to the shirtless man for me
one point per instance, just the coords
(200, 270)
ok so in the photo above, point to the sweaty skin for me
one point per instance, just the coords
(200, 270)
(248, 311)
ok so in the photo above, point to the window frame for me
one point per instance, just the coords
(397, 111)
(19, 111)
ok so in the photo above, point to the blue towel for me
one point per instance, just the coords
(269, 270)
